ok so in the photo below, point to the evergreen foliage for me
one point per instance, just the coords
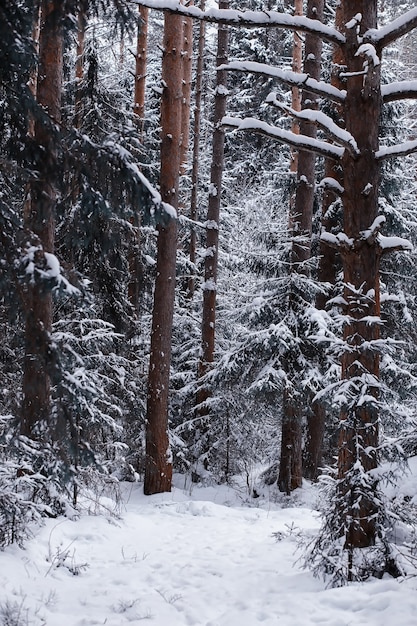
(272, 341)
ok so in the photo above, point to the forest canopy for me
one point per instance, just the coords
(207, 266)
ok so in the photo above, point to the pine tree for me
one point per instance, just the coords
(158, 469)
(212, 239)
(359, 515)
(39, 222)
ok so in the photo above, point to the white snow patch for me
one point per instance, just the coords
(198, 556)
(356, 19)
(368, 50)
(221, 90)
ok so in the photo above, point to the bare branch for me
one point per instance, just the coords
(382, 37)
(293, 79)
(249, 19)
(301, 142)
(399, 91)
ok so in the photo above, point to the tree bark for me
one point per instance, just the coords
(290, 470)
(187, 57)
(135, 265)
(79, 67)
(212, 239)
(33, 78)
(297, 60)
(290, 475)
(40, 224)
(329, 262)
(158, 464)
(358, 440)
(140, 66)
(306, 170)
(213, 213)
(196, 149)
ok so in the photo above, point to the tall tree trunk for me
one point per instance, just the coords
(290, 474)
(158, 464)
(40, 225)
(196, 148)
(187, 58)
(33, 86)
(213, 212)
(327, 269)
(306, 170)
(290, 471)
(358, 440)
(134, 258)
(212, 229)
(33, 78)
(140, 66)
(79, 67)
(297, 61)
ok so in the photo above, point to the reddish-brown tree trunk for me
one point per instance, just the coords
(329, 263)
(79, 67)
(290, 470)
(187, 58)
(306, 170)
(212, 244)
(33, 78)
(135, 265)
(158, 464)
(358, 439)
(290, 475)
(196, 148)
(213, 213)
(40, 225)
(297, 61)
(140, 67)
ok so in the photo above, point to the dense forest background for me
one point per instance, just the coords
(251, 337)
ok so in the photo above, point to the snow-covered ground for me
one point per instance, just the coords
(199, 557)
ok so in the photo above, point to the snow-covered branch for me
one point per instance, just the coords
(400, 149)
(301, 142)
(331, 184)
(394, 244)
(399, 90)
(371, 235)
(339, 241)
(249, 19)
(320, 119)
(156, 196)
(293, 79)
(382, 37)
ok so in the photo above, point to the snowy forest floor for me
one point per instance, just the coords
(199, 556)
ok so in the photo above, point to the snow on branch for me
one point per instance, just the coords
(371, 235)
(331, 184)
(399, 90)
(156, 196)
(400, 149)
(382, 37)
(249, 19)
(293, 79)
(300, 142)
(45, 265)
(394, 244)
(338, 241)
(320, 119)
(368, 51)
